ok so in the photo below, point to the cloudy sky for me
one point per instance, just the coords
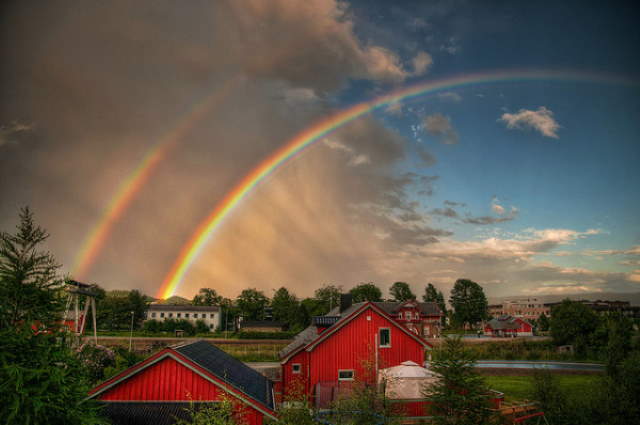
(527, 187)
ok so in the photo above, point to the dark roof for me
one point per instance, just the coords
(183, 307)
(426, 308)
(230, 370)
(140, 413)
(260, 324)
(504, 322)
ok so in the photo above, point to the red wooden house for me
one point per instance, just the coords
(508, 326)
(350, 343)
(160, 388)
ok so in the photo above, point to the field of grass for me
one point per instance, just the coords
(521, 387)
(253, 352)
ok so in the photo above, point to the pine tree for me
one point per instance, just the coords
(460, 397)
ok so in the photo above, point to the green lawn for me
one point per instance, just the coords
(521, 387)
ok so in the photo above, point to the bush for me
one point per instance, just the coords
(201, 327)
(152, 326)
(95, 359)
(266, 335)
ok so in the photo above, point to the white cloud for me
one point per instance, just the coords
(394, 108)
(496, 207)
(355, 158)
(541, 120)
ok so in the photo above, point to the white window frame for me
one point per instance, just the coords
(380, 337)
(416, 315)
(293, 368)
(353, 374)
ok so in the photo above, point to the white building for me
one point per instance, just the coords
(209, 314)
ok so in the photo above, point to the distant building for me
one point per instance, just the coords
(261, 326)
(506, 325)
(604, 307)
(209, 314)
(527, 308)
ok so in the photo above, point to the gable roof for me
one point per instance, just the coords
(309, 338)
(229, 370)
(213, 361)
(505, 322)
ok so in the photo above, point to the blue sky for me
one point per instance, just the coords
(528, 187)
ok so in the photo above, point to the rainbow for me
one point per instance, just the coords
(322, 128)
(127, 190)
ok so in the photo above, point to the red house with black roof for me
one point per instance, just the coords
(160, 388)
(350, 343)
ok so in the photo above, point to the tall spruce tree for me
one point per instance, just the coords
(41, 378)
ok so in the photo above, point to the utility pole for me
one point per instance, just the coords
(131, 334)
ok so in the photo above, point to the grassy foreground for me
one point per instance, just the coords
(520, 387)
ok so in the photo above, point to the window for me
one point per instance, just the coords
(170, 314)
(345, 375)
(186, 315)
(212, 315)
(211, 326)
(385, 337)
(296, 368)
(195, 315)
(178, 314)
(153, 315)
(417, 315)
(161, 314)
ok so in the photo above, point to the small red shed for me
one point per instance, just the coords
(159, 389)
(350, 343)
(506, 325)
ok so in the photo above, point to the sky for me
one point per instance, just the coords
(153, 111)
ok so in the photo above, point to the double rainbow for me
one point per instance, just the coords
(191, 250)
(133, 183)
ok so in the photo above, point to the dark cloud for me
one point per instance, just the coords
(445, 212)
(454, 204)
(483, 220)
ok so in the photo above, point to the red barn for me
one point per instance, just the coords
(508, 326)
(160, 388)
(350, 343)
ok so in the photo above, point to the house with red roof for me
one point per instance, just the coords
(506, 325)
(161, 388)
(352, 342)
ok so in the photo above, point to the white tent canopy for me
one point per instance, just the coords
(406, 381)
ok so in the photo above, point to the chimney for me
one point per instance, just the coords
(345, 301)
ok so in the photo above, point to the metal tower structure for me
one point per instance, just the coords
(80, 296)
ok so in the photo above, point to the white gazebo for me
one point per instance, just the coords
(407, 381)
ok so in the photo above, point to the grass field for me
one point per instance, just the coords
(521, 387)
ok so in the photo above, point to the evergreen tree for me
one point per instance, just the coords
(460, 396)
(30, 290)
(41, 378)
(284, 306)
(543, 323)
(431, 294)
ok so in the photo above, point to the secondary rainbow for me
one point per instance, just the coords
(322, 128)
(127, 190)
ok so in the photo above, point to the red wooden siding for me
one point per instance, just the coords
(296, 382)
(354, 344)
(167, 380)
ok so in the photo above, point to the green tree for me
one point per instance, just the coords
(543, 323)
(41, 379)
(431, 294)
(622, 392)
(285, 306)
(30, 289)
(251, 304)
(328, 297)
(468, 302)
(460, 396)
(366, 292)
(400, 291)
(220, 413)
(207, 296)
(620, 331)
(138, 304)
(573, 323)
(201, 327)
(114, 310)
(152, 326)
